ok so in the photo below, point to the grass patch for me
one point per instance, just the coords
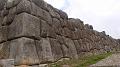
(83, 61)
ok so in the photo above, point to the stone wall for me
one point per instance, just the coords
(33, 32)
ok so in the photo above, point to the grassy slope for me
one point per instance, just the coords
(82, 62)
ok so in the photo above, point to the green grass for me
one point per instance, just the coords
(83, 61)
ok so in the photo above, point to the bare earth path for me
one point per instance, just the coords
(111, 61)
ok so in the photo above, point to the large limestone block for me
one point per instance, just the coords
(65, 51)
(77, 23)
(60, 39)
(12, 3)
(7, 63)
(44, 50)
(9, 4)
(71, 46)
(42, 14)
(88, 46)
(0, 21)
(56, 49)
(51, 33)
(77, 46)
(3, 33)
(75, 35)
(40, 3)
(45, 16)
(34, 9)
(56, 25)
(24, 6)
(62, 14)
(70, 25)
(23, 51)
(64, 23)
(87, 26)
(25, 25)
(66, 32)
(47, 30)
(2, 3)
(44, 29)
(10, 17)
(82, 45)
(4, 50)
(4, 12)
(52, 12)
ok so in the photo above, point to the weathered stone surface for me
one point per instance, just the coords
(42, 14)
(2, 3)
(87, 26)
(40, 3)
(75, 35)
(56, 49)
(77, 46)
(52, 12)
(65, 51)
(9, 4)
(25, 25)
(23, 51)
(44, 50)
(24, 6)
(7, 63)
(3, 33)
(77, 23)
(67, 33)
(70, 44)
(44, 29)
(62, 14)
(4, 12)
(10, 17)
(46, 16)
(4, 50)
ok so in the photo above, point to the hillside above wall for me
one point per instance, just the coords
(33, 32)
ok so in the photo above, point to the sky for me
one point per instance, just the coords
(104, 15)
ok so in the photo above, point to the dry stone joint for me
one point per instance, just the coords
(34, 33)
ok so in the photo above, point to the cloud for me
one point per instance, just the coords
(56, 3)
(104, 15)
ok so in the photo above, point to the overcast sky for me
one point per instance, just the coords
(104, 15)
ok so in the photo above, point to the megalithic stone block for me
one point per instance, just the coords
(77, 45)
(41, 4)
(44, 50)
(23, 51)
(7, 20)
(3, 33)
(41, 13)
(44, 29)
(56, 49)
(72, 49)
(2, 3)
(25, 25)
(11, 3)
(4, 50)
(65, 51)
(52, 11)
(24, 6)
(7, 63)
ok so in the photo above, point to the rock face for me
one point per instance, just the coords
(33, 32)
